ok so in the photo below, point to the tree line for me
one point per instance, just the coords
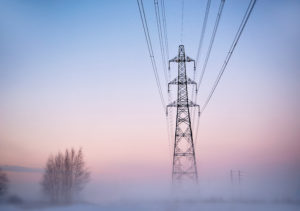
(64, 177)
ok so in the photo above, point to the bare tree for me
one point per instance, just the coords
(65, 176)
(3, 183)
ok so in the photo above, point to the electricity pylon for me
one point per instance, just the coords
(184, 161)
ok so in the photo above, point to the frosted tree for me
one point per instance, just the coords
(65, 176)
(3, 183)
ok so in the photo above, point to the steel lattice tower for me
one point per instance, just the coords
(184, 161)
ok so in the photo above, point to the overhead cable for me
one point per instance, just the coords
(233, 45)
(150, 50)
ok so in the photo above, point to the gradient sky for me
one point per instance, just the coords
(78, 74)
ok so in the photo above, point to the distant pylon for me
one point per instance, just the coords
(236, 177)
(184, 161)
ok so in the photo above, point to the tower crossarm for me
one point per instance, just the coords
(175, 82)
(172, 104)
(190, 81)
(192, 104)
(175, 104)
(189, 59)
(175, 59)
(186, 59)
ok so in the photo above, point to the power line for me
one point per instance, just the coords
(162, 2)
(212, 39)
(199, 49)
(233, 45)
(153, 62)
(203, 31)
(150, 50)
(165, 32)
(161, 41)
(182, 14)
(161, 29)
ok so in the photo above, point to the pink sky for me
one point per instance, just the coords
(66, 82)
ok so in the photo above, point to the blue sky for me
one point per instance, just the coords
(77, 73)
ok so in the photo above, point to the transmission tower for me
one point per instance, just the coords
(184, 161)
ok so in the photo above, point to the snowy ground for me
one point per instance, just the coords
(163, 206)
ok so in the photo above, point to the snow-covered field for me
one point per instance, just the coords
(163, 206)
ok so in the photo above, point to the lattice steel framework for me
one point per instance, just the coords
(184, 161)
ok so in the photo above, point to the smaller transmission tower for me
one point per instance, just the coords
(184, 160)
